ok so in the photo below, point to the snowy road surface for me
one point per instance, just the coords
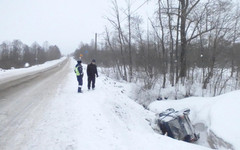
(22, 106)
(47, 113)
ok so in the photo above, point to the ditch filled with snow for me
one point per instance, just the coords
(215, 118)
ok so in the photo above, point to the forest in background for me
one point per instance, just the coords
(185, 41)
(16, 54)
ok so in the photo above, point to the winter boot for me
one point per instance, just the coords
(79, 89)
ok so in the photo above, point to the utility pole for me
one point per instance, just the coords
(36, 56)
(95, 41)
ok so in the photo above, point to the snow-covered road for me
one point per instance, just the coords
(47, 113)
(22, 106)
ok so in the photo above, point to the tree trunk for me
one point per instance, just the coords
(183, 61)
(129, 43)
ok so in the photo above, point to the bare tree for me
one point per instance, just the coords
(171, 47)
(220, 21)
(114, 54)
(117, 25)
(162, 41)
(130, 42)
(186, 9)
(235, 36)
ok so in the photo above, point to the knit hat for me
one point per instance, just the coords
(94, 60)
(79, 61)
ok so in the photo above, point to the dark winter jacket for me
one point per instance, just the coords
(92, 70)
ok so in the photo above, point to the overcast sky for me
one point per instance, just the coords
(62, 22)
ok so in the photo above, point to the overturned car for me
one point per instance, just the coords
(176, 124)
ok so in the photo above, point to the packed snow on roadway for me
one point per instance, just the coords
(108, 119)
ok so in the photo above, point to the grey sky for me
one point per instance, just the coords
(65, 23)
(61, 22)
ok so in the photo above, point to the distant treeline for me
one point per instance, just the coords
(16, 54)
(149, 56)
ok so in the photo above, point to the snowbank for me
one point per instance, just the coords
(7, 76)
(220, 114)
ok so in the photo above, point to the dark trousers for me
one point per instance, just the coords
(80, 82)
(91, 80)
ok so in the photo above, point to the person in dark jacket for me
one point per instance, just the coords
(92, 73)
(79, 73)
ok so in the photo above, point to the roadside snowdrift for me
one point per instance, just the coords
(220, 114)
(7, 76)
